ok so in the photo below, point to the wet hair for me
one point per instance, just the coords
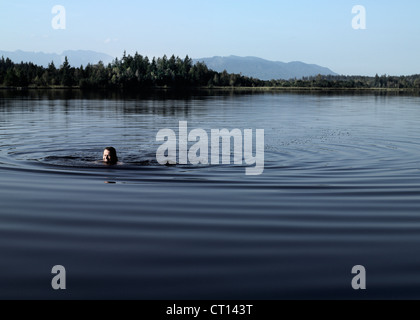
(113, 154)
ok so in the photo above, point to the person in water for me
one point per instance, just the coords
(110, 156)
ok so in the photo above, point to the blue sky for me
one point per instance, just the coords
(311, 31)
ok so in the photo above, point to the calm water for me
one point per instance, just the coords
(341, 187)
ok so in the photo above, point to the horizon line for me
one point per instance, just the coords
(207, 57)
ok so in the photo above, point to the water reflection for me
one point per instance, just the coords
(341, 187)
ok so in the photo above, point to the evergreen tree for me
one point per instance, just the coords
(66, 73)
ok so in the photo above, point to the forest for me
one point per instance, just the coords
(137, 72)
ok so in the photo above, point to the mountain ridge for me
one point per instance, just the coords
(264, 69)
(250, 66)
(76, 58)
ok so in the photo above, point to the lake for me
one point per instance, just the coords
(340, 188)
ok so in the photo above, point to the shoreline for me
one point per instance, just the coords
(214, 88)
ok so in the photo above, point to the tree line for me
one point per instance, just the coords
(130, 72)
(134, 72)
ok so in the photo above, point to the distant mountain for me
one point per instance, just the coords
(247, 66)
(76, 57)
(264, 69)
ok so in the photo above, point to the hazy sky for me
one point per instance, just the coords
(311, 31)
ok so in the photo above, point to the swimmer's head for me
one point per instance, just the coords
(110, 156)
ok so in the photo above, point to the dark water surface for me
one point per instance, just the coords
(341, 187)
